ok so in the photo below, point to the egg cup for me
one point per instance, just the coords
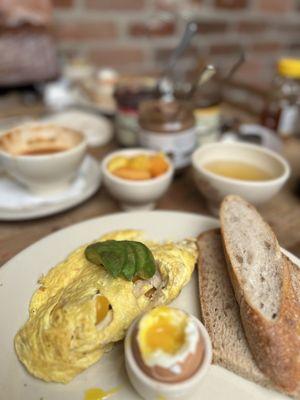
(151, 389)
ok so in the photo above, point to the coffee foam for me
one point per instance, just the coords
(39, 139)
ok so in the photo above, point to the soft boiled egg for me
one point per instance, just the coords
(167, 345)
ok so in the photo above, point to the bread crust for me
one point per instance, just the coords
(275, 344)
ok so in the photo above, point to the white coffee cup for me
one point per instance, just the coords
(42, 173)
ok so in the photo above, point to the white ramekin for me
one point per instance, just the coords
(136, 195)
(215, 187)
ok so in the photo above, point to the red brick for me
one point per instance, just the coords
(289, 28)
(152, 29)
(84, 30)
(116, 56)
(266, 47)
(212, 26)
(232, 4)
(276, 6)
(62, 3)
(251, 26)
(251, 71)
(116, 5)
(163, 55)
(217, 49)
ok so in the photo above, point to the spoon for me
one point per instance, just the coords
(205, 74)
(165, 84)
(210, 70)
(189, 32)
(241, 59)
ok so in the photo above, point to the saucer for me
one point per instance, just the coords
(17, 203)
(96, 128)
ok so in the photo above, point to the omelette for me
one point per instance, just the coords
(80, 310)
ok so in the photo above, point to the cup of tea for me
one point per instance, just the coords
(253, 172)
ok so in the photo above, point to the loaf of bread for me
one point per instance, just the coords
(266, 291)
(27, 45)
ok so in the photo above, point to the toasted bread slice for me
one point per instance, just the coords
(265, 291)
(220, 312)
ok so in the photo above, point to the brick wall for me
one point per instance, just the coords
(138, 35)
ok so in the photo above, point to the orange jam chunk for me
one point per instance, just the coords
(158, 165)
(139, 167)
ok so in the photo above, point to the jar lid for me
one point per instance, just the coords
(289, 67)
(163, 116)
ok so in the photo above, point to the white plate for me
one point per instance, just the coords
(91, 181)
(18, 282)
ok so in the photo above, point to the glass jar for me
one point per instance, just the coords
(282, 109)
(129, 92)
(168, 126)
(207, 103)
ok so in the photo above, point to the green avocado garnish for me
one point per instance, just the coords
(122, 258)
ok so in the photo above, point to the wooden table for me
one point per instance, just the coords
(282, 212)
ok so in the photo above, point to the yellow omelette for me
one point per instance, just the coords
(80, 310)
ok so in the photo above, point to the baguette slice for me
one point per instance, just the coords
(265, 290)
(220, 311)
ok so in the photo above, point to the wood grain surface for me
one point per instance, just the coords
(282, 212)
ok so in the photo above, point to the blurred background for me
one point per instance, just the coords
(140, 34)
(43, 40)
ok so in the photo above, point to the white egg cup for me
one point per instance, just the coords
(150, 389)
(136, 195)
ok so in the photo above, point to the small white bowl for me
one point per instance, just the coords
(136, 195)
(150, 389)
(215, 187)
(46, 173)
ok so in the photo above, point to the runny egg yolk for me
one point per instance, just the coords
(99, 394)
(162, 329)
(102, 308)
(164, 335)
